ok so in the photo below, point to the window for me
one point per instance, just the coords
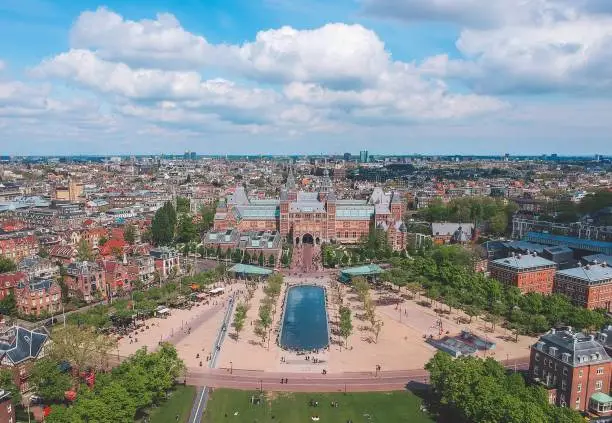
(578, 403)
(579, 387)
(563, 384)
(537, 356)
(580, 373)
(536, 370)
(598, 385)
(600, 370)
(565, 371)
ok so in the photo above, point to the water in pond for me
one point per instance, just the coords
(305, 321)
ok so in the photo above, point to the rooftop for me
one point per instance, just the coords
(579, 348)
(524, 262)
(591, 274)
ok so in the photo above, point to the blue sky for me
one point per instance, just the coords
(294, 76)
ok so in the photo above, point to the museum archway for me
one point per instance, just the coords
(307, 239)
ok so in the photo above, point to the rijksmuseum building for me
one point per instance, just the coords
(314, 217)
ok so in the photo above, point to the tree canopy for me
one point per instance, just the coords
(6, 264)
(163, 225)
(474, 390)
(446, 274)
(138, 383)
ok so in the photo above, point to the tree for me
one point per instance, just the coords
(129, 234)
(82, 347)
(237, 256)
(362, 287)
(472, 311)
(110, 404)
(7, 265)
(163, 225)
(264, 322)
(473, 390)
(8, 305)
(271, 260)
(8, 383)
(239, 318)
(346, 325)
(186, 230)
(84, 252)
(208, 216)
(498, 224)
(260, 259)
(49, 381)
(182, 205)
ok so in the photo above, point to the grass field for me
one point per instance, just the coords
(389, 407)
(179, 402)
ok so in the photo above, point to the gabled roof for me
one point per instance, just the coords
(18, 344)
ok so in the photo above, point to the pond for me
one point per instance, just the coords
(305, 320)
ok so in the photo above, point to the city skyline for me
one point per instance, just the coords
(291, 77)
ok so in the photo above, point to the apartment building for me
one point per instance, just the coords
(529, 272)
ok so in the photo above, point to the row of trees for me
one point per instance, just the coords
(446, 274)
(495, 212)
(362, 287)
(469, 389)
(267, 308)
(240, 318)
(346, 324)
(140, 382)
(237, 256)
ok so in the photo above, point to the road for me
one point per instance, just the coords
(199, 404)
(309, 382)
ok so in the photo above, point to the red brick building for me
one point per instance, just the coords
(588, 286)
(574, 368)
(18, 248)
(9, 281)
(313, 217)
(116, 276)
(7, 410)
(38, 296)
(529, 273)
(86, 278)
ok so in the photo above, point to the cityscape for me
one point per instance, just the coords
(288, 211)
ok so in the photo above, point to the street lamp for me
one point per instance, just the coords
(261, 386)
(231, 368)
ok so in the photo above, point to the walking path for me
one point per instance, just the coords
(199, 404)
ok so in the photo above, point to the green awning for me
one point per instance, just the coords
(365, 271)
(601, 398)
(247, 269)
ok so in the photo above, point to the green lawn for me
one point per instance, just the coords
(387, 407)
(179, 402)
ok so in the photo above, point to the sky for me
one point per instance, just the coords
(300, 77)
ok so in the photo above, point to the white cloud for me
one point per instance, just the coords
(335, 53)
(86, 69)
(563, 56)
(2, 65)
(162, 41)
(485, 13)
(307, 73)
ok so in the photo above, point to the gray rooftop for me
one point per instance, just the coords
(581, 349)
(591, 274)
(524, 262)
